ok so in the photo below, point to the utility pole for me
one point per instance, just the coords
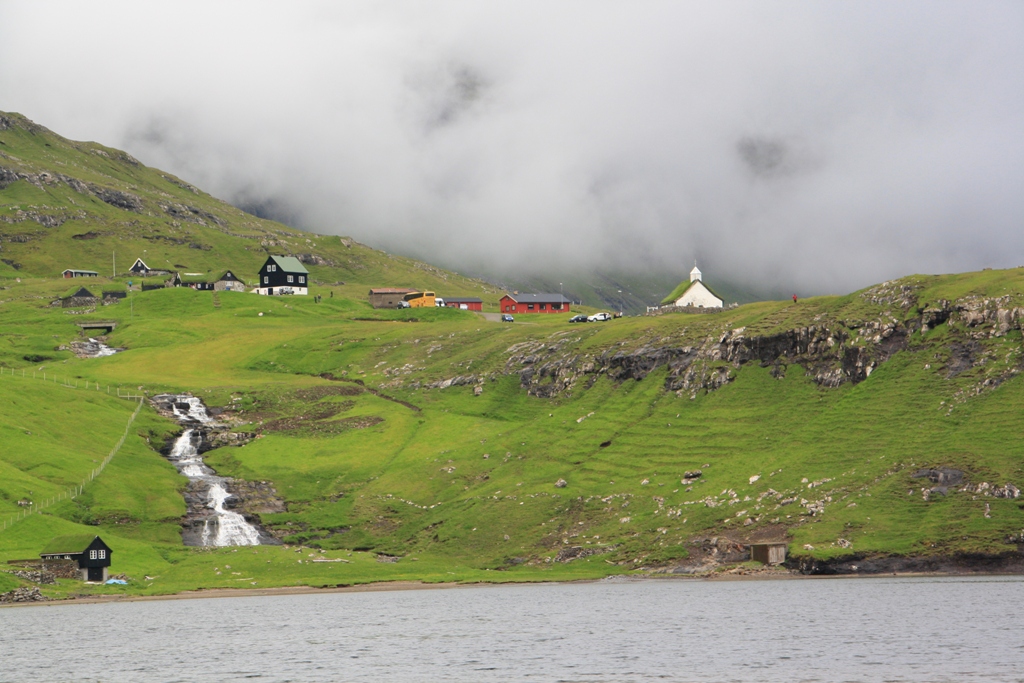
(113, 264)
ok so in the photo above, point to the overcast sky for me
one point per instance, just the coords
(815, 146)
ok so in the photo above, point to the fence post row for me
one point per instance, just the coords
(75, 491)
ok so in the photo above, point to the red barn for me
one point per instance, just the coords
(534, 303)
(471, 303)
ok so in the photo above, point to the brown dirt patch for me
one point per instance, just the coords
(318, 393)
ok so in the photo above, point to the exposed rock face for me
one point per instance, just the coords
(22, 595)
(313, 260)
(832, 352)
(191, 214)
(944, 476)
(576, 552)
(122, 200)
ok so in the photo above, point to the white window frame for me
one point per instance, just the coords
(291, 278)
(266, 279)
(103, 554)
(302, 278)
(92, 554)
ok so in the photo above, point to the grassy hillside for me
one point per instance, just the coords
(66, 204)
(476, 450)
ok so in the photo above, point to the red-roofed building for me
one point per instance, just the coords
(466, 303)
(534, 303)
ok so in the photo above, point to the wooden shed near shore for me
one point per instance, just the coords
(768, 553)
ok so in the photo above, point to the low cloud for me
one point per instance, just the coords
(807, 146)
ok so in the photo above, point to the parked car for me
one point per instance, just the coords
(581, 318)
(403, 304)
(506, 318)
(599, 317)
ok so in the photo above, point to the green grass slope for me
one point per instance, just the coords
(475, 450)
(461, 483)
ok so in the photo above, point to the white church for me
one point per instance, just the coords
(697, 294)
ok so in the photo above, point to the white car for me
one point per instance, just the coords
(599, 317)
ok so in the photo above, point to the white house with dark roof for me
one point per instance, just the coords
(282, 275)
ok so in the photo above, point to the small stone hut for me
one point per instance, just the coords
(83, 297)
(388, 297)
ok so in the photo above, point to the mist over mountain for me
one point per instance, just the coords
(813, 147)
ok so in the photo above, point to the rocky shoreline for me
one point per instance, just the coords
(908, 567)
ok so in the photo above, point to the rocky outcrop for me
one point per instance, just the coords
(191, 214)
(122, 200)
(23, 595)
(832, 352)
(892, 564)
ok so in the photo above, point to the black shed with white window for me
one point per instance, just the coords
(91, 553)
(283, 275)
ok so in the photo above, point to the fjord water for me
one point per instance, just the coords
(881, 629)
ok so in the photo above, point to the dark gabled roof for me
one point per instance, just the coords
(289, 264)
(82, 292)
(70, 545)
(138, 262)
(462, 299)
(228, 276)
(538, 298)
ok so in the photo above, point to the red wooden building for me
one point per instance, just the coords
(534, 303)
(467, 303)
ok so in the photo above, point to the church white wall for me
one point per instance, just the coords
(699, 296)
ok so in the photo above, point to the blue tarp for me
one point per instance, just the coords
(119, 582)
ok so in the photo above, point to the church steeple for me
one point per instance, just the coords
(695, 273)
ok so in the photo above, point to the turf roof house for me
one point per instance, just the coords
(89, 550)
(388, 297)
(83, 297)
(534, 303)
(694, 294)
(140, 268)
(283, 275)
(229, 283)
(74, 272)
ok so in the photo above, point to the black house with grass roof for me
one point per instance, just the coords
(89, 550)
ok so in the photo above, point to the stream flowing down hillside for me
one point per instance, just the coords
(219, 526)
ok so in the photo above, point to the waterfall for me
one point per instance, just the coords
(224, 527)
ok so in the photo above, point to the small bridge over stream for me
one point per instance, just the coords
(105, 325)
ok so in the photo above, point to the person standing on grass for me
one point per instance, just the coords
(794, 298)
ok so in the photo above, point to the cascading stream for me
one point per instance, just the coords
(224, 527)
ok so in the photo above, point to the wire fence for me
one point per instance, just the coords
(73, 492)
(71, 383)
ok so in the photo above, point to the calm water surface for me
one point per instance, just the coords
(929, 629)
